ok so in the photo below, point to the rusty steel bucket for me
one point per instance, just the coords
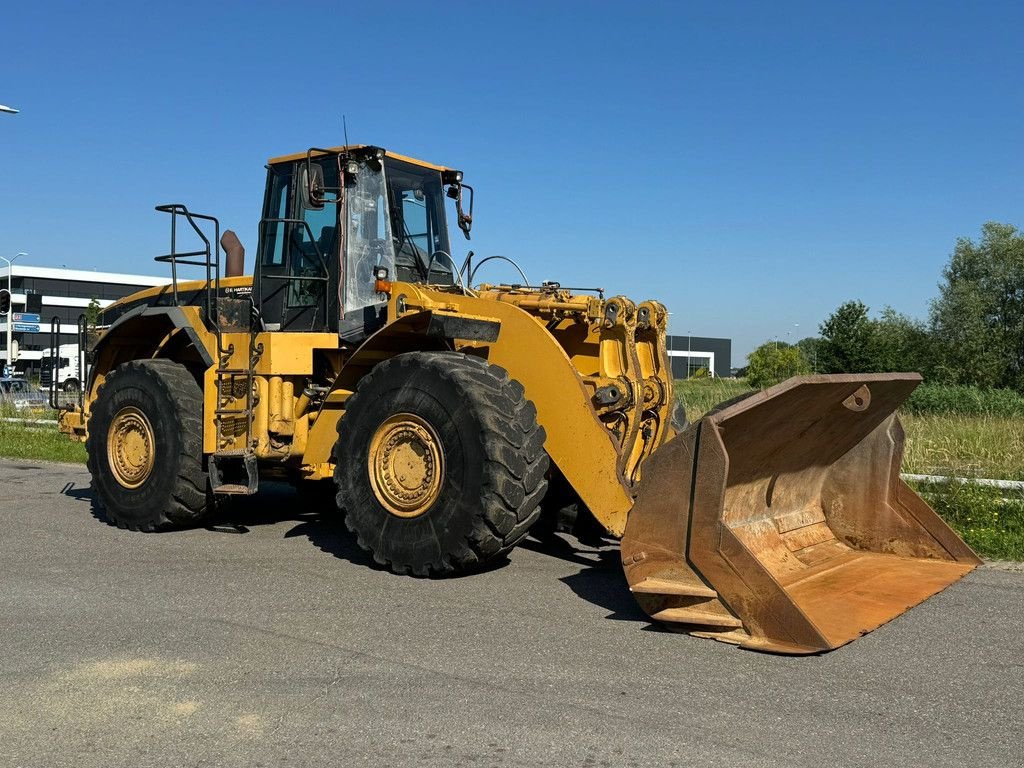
(780, 522)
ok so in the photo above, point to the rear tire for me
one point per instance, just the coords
(145, 447)
(440, 463)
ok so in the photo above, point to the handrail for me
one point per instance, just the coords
(83, 373)
(54, 358)
(211, 257)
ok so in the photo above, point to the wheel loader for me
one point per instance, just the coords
(447, 417)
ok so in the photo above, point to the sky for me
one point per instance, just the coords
(751, 165)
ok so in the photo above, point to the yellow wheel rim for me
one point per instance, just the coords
(131, 448)
(406, 465)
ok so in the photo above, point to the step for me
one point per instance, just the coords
(227, 468)
(233, 489)
(690, 616)
(672, 587)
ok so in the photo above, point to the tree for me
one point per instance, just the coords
(811, 349)
(92, 313)
(899, 343)
(774, 361)
(846, 338)
(977, 322)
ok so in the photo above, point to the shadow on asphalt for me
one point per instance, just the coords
(600, 580)
(275, 503)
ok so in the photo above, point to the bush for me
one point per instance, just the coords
(965, 401)
(774, 361)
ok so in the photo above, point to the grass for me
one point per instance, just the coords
(964, 446)
(40, 443)
(990, 520)
(701, 395)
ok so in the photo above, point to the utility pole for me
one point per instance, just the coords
(671, 362)
(789, 335)
(10, 313)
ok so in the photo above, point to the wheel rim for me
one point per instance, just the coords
(406, 465)
(131, 447)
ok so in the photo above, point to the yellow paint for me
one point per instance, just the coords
(302, 156)
(406, 465)
(131, 447)
(287, 353)
(565, 350)
(184, 286)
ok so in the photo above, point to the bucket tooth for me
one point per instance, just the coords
(788, 505)
(652, 586)
(701, 618)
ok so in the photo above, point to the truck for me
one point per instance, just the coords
(447, 417)
(64, 364)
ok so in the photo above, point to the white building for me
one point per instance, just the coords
(62, 293)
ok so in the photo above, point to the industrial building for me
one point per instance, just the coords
(57, 292)
(690, 354)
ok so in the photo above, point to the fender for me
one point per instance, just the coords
(142, 332)
(504, 335)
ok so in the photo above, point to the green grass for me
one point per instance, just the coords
(964, 446)
(990, 520)
(966, 401)
(42, 444)
(701, 395)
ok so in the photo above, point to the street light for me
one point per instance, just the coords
(789, 335)
(689, 346)
(668, 332)
(10, 313)
(9, 110)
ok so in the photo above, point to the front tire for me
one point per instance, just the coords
(145, 447)
(440, 463)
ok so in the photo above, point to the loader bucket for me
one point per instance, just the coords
(780, 522)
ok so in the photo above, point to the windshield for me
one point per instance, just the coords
(416, 198)
(369, 239)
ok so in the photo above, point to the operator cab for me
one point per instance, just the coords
(332, 218)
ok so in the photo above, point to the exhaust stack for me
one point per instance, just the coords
(234, 265)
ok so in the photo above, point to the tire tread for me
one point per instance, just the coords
(515, 462)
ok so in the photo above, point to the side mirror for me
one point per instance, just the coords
(465, 219)
(311, 186)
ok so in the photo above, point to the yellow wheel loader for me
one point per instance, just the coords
(444, 415)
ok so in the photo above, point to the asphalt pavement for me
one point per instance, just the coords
(271, 640)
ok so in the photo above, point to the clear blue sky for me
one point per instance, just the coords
(752, 165)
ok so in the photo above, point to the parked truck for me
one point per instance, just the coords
(64, 365)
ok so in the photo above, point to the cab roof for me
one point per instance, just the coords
(389, 153)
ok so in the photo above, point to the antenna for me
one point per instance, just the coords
(344, 126)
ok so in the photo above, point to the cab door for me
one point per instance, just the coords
(298, 261)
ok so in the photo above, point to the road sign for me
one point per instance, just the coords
(25, 317)
(26, 327)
